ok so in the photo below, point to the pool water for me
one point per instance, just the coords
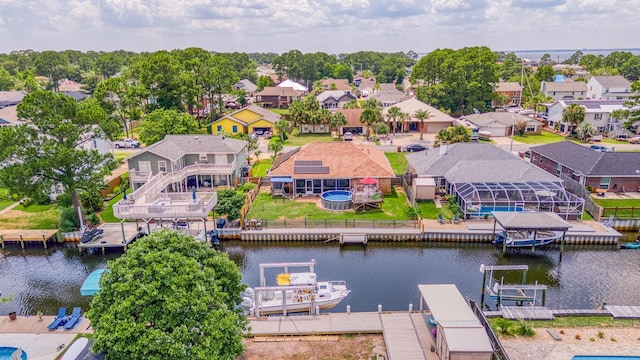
(337, 195)
(337, 200)
(605, 357)
(7, 351)
(487, 209)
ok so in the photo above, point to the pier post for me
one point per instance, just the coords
(410, 308)
(348, 309)
(124, 237)
(2, 240)
(44, 241)
(484, 285)
(379, 308)
(21, 242)
(562, 244)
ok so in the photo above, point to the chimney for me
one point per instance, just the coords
(443, 148)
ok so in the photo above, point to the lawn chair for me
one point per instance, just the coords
(75, 318)
(441, 219)
(456, 219)
(59, 320)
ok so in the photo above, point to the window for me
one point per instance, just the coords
(144, 166)
(530, 128)
(558, 169)
(540, 161)
(235, 128)
(162, 166)
(597, 116)
(219, 128)
(202, 157)
(604, 182)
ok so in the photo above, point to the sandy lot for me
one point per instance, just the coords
(317, 348)
(614, 341)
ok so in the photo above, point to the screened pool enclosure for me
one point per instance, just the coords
(481, 198)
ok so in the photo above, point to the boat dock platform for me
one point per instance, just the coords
(116, 235)
(406, 335)
(27, 236)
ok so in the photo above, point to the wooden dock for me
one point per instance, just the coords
(33, 325)
(27, 236)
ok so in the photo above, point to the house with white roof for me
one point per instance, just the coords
(608, 88)
(296, 86)
(597, 112)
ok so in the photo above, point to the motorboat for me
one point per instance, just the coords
(524, 238)
(91, 284)
(630, 245)
(484, 135)
(294, 292)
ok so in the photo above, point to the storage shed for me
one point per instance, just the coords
(424, 188)
(460, 335)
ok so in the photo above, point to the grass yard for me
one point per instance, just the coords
(398, 161)
(428, 210)
(122, 154)
(32, 217)
(280, 111)
(266, 207)
(544, 138)
(107, 214)
(5, 203)
(620, 203)
(303, 139)
(575, 321)
(260, 168)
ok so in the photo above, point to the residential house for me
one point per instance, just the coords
(502, 123)
(485, 178)
(246, 85)
(566, 90)
(247, 120)
(353, 124)
(336, 84)
(367, 86)
(9, 115)
(388, 95)
(278, 97)
(436, 122)
(610, 171)
(597, 112)
(296, 86)
(512, 89)
(608, 88)
(571, 71)
(334, 99)
(196, 160)
(66, 85)
(530, 63)
(318, 167)
(8, 98)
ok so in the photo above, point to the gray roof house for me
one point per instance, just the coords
(501, 123)
(246, 85)
(567, 90)
(388, 95)
(179, 170)
(610, 171)
(608, 88)
(334, 99)
(485, 178)
(11, 97)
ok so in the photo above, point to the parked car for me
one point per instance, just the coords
(268, 134)
(347, 136)
(600, 148)
(634, 140)
(127, 143)
(416, 148)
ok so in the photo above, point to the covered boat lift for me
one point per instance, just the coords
(530, 221)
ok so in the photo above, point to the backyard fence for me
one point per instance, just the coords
(622, 212)
(332, 224)
(408, 190)
(578, 190)
(251, 195)
(499, 352)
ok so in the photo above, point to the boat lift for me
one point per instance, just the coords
(285, 266)
(519, 293)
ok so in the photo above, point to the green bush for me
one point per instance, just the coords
(413, 212)
(525, 329)
(503, 326)
(68, 219)
(246, 187)
(93, 219)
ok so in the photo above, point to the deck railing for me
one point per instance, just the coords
(167, 206)
(332, 224)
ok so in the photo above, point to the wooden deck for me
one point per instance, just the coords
(33, 325)
(22, 236)
(624, 312)
(526, 312)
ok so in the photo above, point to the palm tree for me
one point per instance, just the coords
(452, 134)
(393, 115)
(297, 112)
(337, 120)
(282, 127)
(586, 130)
(574, 115)
(422, 115)
(370, 117)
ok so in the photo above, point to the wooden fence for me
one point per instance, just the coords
(578, 190)
(251, 195)
(622, 212)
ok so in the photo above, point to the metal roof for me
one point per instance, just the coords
(530, 220)
(446, 303)
(466, 338)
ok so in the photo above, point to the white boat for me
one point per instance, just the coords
(523, 238)
(484, 134)
(294, 292)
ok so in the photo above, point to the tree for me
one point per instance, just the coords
(370, 117)
(6, 80)
(46, 152)
(53, 65)
(161, 123)
(275, 147)
(337, 120)
(169, 296)
(263, 81)
(452, 134)
(586, 130)
(422, 115)
(230, 203)
(282, 127)
(545, 73)
(575, 58)
(393, 114)
(108, 64)
(573, 115)
(352, 104)
(121, 99)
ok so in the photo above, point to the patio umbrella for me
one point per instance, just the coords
(368, 181)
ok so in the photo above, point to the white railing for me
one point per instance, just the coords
(167, 206)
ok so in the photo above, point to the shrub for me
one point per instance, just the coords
(613, 339)
(93, 219)
(413, 212)
(68, 219)
(525, 329)
(600, 334)
(578, 337)
(503, 326)
(592, 339)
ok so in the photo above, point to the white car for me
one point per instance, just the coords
(347, 136)
(127, 143)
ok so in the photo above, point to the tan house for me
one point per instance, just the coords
(278, 97)
(353, 124)
(502, 123)
(318, 167)
(512, 89)
(436, 122)
(336, 84)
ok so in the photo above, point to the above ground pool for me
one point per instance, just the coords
(7, 351)
(338, 200)
(605, 357)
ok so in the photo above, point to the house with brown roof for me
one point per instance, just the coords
(512, 89)
(608, 88)
(353, 124)
(318, 167)
(566, 90)
(11, 97)
(336, 84)
(9, 115)
(277, 97)
(433, 124)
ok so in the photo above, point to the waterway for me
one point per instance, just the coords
(381, 273)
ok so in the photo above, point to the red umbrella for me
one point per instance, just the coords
(368, 181)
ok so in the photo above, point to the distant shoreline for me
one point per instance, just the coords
(564, 50)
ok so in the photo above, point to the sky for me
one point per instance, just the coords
(331, 26)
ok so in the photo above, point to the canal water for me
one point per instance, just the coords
(382, 273)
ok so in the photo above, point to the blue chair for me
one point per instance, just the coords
(456, 219)
(59, 320)
(441, 219)
(75, 318)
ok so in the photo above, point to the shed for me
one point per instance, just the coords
(424, 188)
(460, 335)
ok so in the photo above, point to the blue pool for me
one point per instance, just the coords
(338, 200)
(7, 351)
(605, 357)
(487, 209)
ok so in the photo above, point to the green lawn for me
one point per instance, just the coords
(303, 139)
(122, 154)
(5, 203)
(428, 210)
(260, 168)
(544, 138)
(280, 111)
(398, 161)
(574, 322)
(266, 207)
(107, 214)
(31, 217)
(621, 203)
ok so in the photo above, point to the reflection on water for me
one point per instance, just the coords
(384, 273)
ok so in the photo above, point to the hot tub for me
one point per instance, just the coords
(7, 351)
(337, 200)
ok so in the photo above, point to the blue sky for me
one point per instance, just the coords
(331, 26)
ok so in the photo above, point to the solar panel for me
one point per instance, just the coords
(310, 169)
(307, 163)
